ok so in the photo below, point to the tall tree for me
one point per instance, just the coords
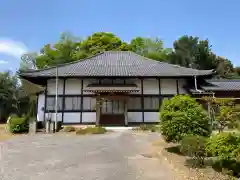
(224, 68)
(102, 41)
(152, 48)
(70, 48)
(191, 52)
(61, 52)
(9, 90)
(237, 72)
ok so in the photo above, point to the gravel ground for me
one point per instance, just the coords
(112, 156)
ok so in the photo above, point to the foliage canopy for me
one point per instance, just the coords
(187, 51)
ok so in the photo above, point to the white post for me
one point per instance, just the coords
(56, 99)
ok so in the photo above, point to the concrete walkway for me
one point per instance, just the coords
(112, 156)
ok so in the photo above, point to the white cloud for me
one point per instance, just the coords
(12, 48)
(3, 62)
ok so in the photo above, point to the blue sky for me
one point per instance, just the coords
(26, 25)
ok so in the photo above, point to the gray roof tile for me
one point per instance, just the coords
(117, 63)
(222, 85)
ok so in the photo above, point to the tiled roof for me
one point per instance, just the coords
(222, 85)
(111, 88)
(117, 63)
(194, 91)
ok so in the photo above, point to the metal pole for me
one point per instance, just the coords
(56, 100)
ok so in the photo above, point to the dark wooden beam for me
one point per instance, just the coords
(177, 86)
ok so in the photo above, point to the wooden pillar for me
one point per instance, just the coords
(126, 111)
(98, 109)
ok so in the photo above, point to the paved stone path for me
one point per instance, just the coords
(112, 156)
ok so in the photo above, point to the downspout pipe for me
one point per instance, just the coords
(195, 83)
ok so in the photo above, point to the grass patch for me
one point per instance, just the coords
(146, 127)
(68, 129)
(91, 130)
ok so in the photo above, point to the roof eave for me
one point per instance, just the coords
(125, 76)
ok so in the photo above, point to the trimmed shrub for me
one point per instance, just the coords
(91, 130)
(224, 145)
(181, 116)
(97, 130)
(18, 125)
(194, 146)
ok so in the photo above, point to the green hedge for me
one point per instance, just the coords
(181, 116)
(224, 145)
(68, 129)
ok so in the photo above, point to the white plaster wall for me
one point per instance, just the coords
(71, 117)
(134, 116)
(151, 116)
(89, 103)
(73, 86)
(88, 117)
(51, 89)
(168, 86)
(52, 116)
(150, 86)
(40, 105)
(181, 84)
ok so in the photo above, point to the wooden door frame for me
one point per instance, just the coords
(99, 101)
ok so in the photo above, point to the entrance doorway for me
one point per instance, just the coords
(112, 113)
